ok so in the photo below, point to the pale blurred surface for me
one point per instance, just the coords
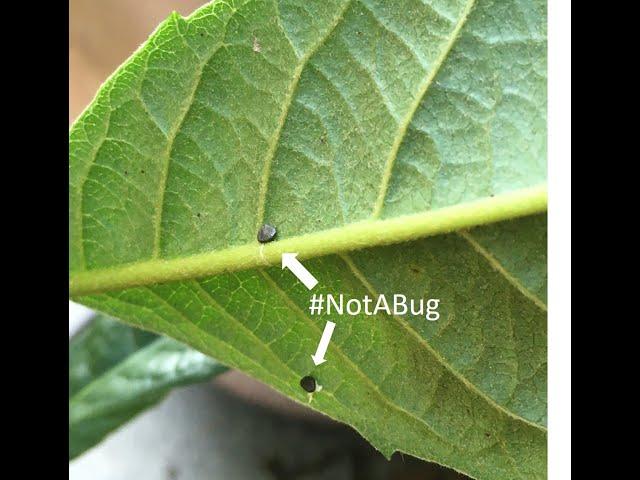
(202, 433)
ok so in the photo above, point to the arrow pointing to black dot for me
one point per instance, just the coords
(290, 261)
(318, 358)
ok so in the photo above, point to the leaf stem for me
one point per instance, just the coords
(369, 233)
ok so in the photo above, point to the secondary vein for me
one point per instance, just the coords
(356, 368)
(470, 386)
(422, 91)
(162, 184)
(273, 145)
(496, 265)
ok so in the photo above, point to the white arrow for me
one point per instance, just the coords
(290, 261)
(318, 358)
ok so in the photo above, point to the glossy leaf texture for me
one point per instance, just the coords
(358, 129)
(117, 371)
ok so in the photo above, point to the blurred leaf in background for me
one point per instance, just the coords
(116, 372)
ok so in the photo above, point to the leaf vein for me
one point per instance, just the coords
(422, 91)
(470, 386)
(353, 365)
(497, 266)
(273, 145)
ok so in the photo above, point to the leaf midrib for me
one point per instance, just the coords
(366, 234)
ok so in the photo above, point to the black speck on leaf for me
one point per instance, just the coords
(266, 233)
(308, 384)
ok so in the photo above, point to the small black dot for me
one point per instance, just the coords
(126, 172)
(141, 171)
(266, 233)
(308, 384)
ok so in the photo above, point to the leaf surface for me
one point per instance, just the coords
(116, 372)
(357, 128)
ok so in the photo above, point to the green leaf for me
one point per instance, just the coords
(116, 372)
(358, 129)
